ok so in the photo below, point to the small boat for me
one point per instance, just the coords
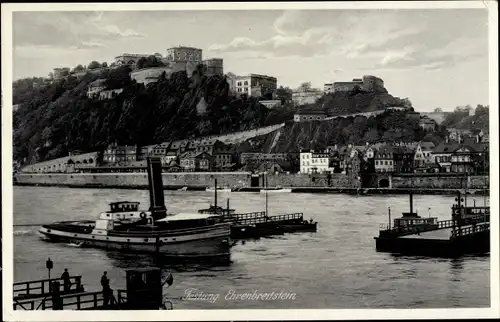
(216, 209)
(183, 189)
(213, 189)
(276, 189)
(127, 228)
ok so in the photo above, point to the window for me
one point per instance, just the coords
(246, 83)
(376, 162)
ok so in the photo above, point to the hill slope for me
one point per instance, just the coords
(59, 118)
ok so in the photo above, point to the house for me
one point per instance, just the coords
(314, 162)
(427, 124)
(253, 85)
(384, 159)
(96, 87)
(194, 161)
(302, 97)
(144, 152)
(442, 155)
(179, 146)
(109, 94)
(169, 159)
(257, 157)
(423, 154)
(160, 149)
(309, 116)
(403, 159)
(462, 160)
(115, 153)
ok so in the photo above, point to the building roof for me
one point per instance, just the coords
(446, 148)
(193, 154)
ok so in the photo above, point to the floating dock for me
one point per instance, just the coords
(467, 232)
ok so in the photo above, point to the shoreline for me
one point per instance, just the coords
(324, 190)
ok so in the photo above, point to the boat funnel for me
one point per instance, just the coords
(156, 195)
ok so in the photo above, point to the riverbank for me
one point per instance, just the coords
(325, 190)
(248, 182)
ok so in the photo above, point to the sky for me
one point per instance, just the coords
(435, 57)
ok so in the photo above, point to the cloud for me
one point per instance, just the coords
(80, 30)
(384, 39)
(296, 33)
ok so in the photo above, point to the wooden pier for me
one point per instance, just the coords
(41, 288)
(257, 224)
(144, 292)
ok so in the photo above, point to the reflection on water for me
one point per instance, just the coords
(337, 267)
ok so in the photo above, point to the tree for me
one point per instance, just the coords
(482, 110)
(438, 110)
(284, 94)
(94, 65)
(104, 65)
(305, 86)
(78, 68)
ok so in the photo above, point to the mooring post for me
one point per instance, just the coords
(389, 218)
(215, 192)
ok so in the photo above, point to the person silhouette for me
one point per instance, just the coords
(106, 290)
(66, 280)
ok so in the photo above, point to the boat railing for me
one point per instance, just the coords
(408, 230)
(463, 231)
(40, 288)
(249, 215)
(271, 219)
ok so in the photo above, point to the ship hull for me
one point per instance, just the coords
(469, 244)
(213, 241)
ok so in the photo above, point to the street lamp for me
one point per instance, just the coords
(49, 264)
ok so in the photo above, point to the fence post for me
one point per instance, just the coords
(95, 300)
(28, 288)
(78, 302)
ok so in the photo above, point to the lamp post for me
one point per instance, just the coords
(49, 264)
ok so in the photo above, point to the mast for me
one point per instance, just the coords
(265, 189)
(411, 202)
(215, 194)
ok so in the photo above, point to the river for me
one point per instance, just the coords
(336, 267)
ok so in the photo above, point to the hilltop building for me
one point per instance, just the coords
(184, 54)
(96, 87)
(253, 85)
(131, 59)
(309, 116)
(213, 66)
(368, 83)
(302, 97)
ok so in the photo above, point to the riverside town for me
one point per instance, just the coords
(189, 173)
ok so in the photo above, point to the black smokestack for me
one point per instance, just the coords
(156, 196)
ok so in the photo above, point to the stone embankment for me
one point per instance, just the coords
(246, 181)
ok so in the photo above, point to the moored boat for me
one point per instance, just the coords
(127, 228)
(467, 232)
(213, 189)
(277, 189)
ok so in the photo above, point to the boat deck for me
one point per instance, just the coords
(438, 234)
